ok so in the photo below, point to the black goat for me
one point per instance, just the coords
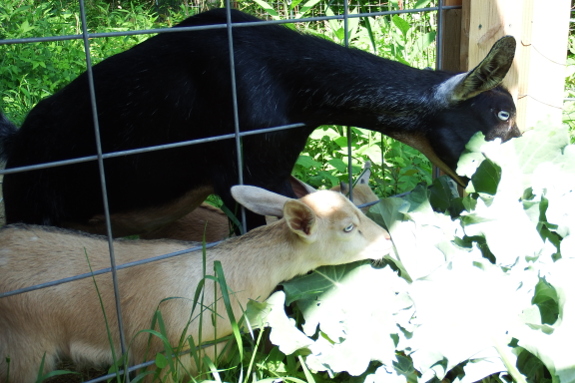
(177, 86)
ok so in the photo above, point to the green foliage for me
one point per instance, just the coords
(569, 104)
(32, 71)
(477, 289)
(395, 167)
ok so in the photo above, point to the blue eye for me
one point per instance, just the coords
(503, 115)
(349, 228)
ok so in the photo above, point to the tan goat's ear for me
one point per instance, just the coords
(301, 220)
(364, 178)
(259, 200)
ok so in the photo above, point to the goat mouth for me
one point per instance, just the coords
(462, 181)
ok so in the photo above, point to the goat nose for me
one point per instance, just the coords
(512, 132)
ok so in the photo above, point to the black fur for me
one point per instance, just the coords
(176, 86)
(7, 132)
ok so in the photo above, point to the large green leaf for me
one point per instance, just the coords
(336, 333)
(555, 180)
(284, 332)
(553, 344)
(509, 232)
(306, 7)
(534, 162)
(518, 158)
(486, 177)
(401, 24)
(546, 299)
(476, 283)
(454, 313)
(423, 239)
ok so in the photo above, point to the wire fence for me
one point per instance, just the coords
(371, 10)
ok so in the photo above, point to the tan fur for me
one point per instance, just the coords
(361, 194)
(146, 220)
(67, 321)
(212, 224)
(204, 223)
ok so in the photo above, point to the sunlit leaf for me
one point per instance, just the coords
(443, 193)
(546, 299)
(421, 4)
(553, 344)
(338, 164)
(307, 162)
(486, 177)
(375, 301)
(284, 332)
(268, 8)
(401, 24)
(305, 8)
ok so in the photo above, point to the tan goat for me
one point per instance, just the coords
(361, 193)
(66, 320)
(205, 222)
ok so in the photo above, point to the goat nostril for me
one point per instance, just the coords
(512, 131)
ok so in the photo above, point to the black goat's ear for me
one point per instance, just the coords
(300, 188)
(485, 76)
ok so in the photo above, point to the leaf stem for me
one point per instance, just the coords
(507, 359)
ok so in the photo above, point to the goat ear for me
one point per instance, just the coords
(344, 188)
(485, 76)
(259, 200)
(300, 188)
(364, 178)
(300, 219)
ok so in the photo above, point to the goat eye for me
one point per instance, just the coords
(349, 228)
(503, 115)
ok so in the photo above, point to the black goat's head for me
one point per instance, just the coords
(471, 102)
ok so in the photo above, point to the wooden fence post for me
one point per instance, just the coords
(452, 39)
(541, 28)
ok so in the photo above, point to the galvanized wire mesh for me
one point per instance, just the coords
(342, 12)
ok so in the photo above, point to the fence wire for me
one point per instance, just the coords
(237, 135)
